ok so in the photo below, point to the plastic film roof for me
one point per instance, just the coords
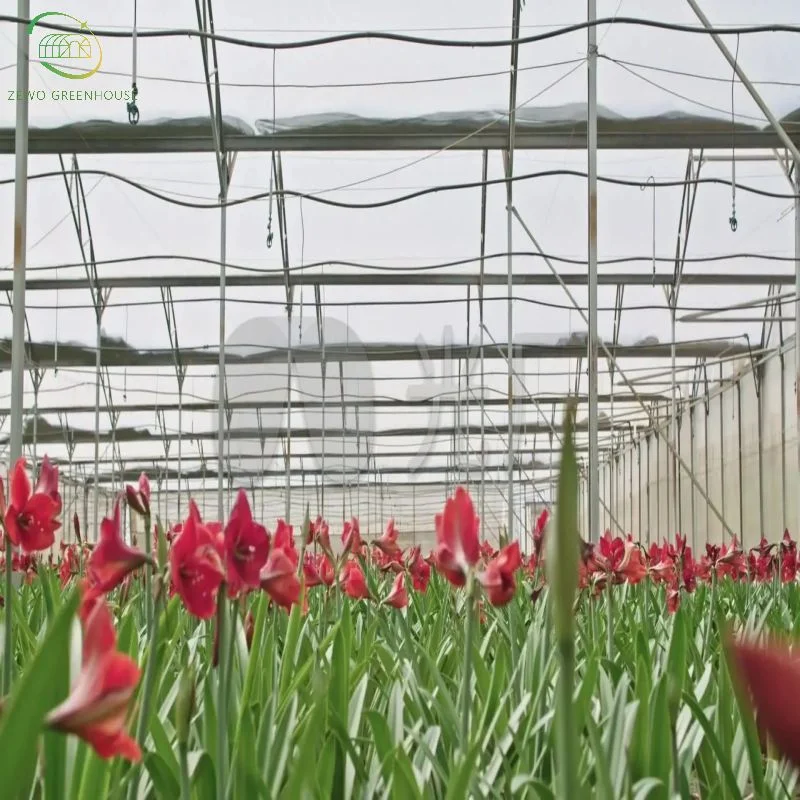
(378, 237)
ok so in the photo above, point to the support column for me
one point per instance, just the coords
(592, 356)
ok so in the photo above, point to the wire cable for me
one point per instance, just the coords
(419, 40)
(237, 201)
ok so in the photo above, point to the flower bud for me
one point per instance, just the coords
(562, 560)
(184, 705)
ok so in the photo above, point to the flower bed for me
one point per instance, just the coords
(226, 659)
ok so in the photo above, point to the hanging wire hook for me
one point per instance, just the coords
(133, 109)
(734, 223)
(652, 180)
(270, 235)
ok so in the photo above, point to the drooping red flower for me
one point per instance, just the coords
(387, 543)
(111, 559)
(398, 597)
(69, 564)
(789, 560)
(498, 578)
(284, 540)
(97, 707)
(351, 537)
(419, 569)
(457, 545)
(772, 675)
(279, 579)
(139, 497)
(246, 547)
(538, 532)
(319, 533)
(353, 582)
(31, 518)
(47, 483)
(195, 566)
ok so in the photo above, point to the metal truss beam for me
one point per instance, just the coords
(404, 278)
(111, 139)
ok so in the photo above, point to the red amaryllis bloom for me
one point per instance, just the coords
(457, 544)
(279, 579)
(284, 540)
(498, 577)
(47, 483)
(98, 704)
(538, 532)
(772, 674)
(139, 497)
(387, 543)
(620, 559)
(789, 560)
(69, 564)
(353, 582)
(351, 537)
(419, 569)
(31, 518)
(398, 597)
(195, 566)
(319, 532)
(246, 546)
(761, 561)
(111, 559)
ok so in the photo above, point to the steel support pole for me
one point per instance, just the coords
(18, 304)
(672, 472)
(796, 491)
(594, 505)
(288, 505)
(512, 113)
(222, 392)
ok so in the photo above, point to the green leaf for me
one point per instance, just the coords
(34, 694)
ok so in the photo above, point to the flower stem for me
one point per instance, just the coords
(186, 787)
(610, 619)
(466, 677)
(8, 649)
(146, 697)
(222, 695)
(565, 723)
(148, 592)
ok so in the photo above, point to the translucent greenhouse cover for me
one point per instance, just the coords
(154, 216)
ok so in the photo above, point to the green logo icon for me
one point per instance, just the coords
(83, 48)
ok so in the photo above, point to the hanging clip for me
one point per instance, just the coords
(733, 221)
(133, 109)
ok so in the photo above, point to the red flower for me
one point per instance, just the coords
(279, 579)
(31, 518)
(420, 570)
(98, 704)
(69, 564)
(354, 584)
(457, 545)
(284, 540)
(319, 532)
(538, 532)
(351, 537)
(111, 559)
(498, 577)
(246, 546)
(387, 543)
(772, 674)
(139, 498)
(195, 566)
(398, 597)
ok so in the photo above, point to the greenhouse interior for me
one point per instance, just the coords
(486, 313)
